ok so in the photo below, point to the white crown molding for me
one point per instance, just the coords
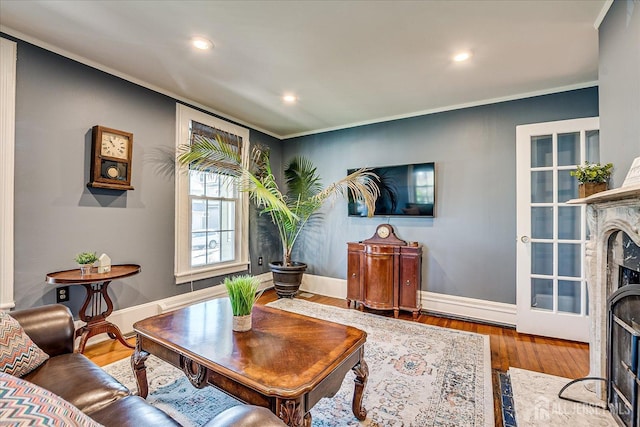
(190, 102)
(101, 67)
(8, 51)
(603, 12)
(449, 108)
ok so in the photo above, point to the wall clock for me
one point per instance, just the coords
(111, 159)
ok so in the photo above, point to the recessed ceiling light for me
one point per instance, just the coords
(462, 56)
(201, 43)
(289, 99)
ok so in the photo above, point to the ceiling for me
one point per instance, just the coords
(348, 62)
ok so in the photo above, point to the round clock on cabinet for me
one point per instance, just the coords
(111, 159)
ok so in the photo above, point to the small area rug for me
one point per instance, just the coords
(536, 402)
(419, 375)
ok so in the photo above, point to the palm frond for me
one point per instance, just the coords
(361, 185)
(211, 155)
(302, 178)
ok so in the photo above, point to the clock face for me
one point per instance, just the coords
(114, 146)
(383, 232)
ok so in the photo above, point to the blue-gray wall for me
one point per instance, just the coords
(470, 246)
(57, 216)
(619, 81)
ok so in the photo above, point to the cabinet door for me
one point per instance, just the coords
(410, 270)
(379, 278)
(354, 290)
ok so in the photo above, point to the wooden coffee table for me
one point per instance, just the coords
(287, 362)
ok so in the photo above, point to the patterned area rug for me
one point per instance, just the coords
(419, 375)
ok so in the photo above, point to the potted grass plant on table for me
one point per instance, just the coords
(289, 208)
(243, 293)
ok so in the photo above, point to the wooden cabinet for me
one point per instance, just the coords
(384, 276)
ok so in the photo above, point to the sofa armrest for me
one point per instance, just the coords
(51, 327)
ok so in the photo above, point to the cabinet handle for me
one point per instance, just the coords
(408, 283)
(353, 275)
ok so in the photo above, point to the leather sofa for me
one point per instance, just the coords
(82, 383)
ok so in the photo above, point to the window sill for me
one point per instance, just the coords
(209, 272)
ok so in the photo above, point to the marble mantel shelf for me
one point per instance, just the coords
(627, 192)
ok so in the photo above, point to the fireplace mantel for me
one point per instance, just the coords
(607, 213)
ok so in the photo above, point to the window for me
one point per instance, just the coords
(211, 214)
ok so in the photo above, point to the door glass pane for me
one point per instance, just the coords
(569, 296)
(541, 151)
(542, 187)
(569, 220)
(569, 260)
(542, 294)
(567, 186)
(592, 146)
(542, 258)
(542, 222)
(568, 148)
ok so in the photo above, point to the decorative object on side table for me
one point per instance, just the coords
(593, 178)
(243, 293)
(85, 261)
(104, 264)
(111, 153)
(289, 210)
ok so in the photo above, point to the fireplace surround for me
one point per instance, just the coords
(613, 218)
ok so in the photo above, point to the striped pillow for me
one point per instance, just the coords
(25, 404)
(19, 355)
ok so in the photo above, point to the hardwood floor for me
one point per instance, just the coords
(508, 347)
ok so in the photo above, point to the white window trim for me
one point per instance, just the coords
(8, 52)
(183, 271)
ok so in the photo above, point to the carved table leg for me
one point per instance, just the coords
(138, 358)
(362, 373)
(291, 414)
(114, 332)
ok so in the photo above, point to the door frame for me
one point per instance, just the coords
(542, 322)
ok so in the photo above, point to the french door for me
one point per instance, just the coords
(551, 292)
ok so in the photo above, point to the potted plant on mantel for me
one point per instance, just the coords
(593, 178)
(289, 209)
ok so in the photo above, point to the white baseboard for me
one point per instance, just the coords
(326, 286)
(468, 308)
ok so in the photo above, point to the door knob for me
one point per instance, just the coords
(525, 239)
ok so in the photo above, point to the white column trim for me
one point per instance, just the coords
(8, 55)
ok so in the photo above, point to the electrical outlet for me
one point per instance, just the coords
(259, 260)
(62, 294)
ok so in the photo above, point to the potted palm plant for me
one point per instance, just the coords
(291, 208)
(593, 178)
(243, 293)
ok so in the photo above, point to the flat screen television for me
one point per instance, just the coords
(405, 190)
